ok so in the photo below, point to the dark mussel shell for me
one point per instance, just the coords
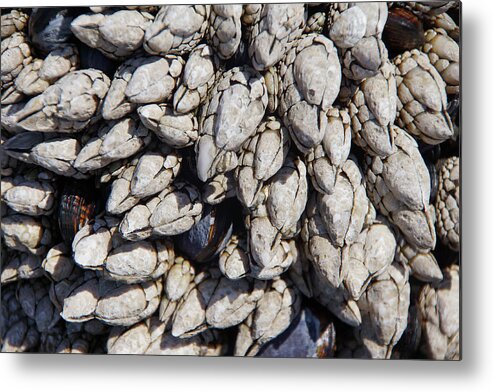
(308, 336)
(93, 58)
(403, 31)
(77, 208)
(453, 109)
(433, 182)
(431, 154)
(49, 28)
(240, 57)
(210, 235)
(408, 345)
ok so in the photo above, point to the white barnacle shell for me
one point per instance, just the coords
(273, 32)
(29, 196)
(111, 302)
(16, 54)
(348, 28)
(115, 140)
(69, 105)
(154, 79)
(198, 78)
(236, 107)
(176, 29)
(40, 74)
(288, 187)
(175, 129)
(369, 256)
(384, 309)
(175, 210)
(373, 110)
(447, 203)
(224, 32)
(399, 186)
(262, 156)
(439, 309)
(443, 53)
(344, 210)
(116, 35)
(325, 160)
(310, 77)
(422, 103)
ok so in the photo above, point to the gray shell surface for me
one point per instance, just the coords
(230, 179)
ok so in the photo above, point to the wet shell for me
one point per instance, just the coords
(209, 236)
(307, 336)
(403, 31)
(49, 28)
(77, 208)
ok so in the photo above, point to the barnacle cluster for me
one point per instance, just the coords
(261, 179)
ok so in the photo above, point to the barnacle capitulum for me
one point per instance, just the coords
(276, 180)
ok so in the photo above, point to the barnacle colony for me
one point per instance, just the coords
(257, 179)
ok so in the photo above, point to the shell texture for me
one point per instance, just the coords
(439, 309)
(272, 180)
(274, 29)
(310, 75)
(447, 203)
(176, 29)
(116, 35)
(422, 98)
